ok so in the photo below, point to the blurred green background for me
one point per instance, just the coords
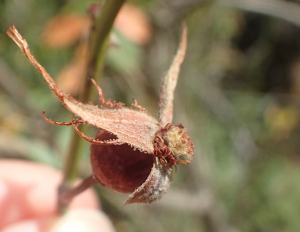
(237, 95)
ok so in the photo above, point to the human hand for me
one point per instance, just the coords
(28, 196)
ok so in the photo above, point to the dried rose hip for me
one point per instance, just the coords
(132, 152)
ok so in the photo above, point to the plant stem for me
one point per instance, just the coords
(67, 196)
(99, 37)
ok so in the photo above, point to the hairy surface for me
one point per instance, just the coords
(166, 95)
(156, 185)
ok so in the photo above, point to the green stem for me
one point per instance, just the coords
(99, 38)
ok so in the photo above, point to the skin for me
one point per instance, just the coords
(28, 202)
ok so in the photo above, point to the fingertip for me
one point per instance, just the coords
(79, 220)
(75, 220)
(9, 210)
(28, 226)
(30, 190)
(86, 199)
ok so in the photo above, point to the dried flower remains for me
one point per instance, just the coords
(132, 152)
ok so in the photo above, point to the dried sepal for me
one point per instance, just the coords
(156, 185)
(73, 122)
(108, 102)
(125, 123)
(166, 94)
(22, 44)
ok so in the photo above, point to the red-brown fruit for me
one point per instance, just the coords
(119, 167)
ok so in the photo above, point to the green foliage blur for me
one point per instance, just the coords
(237, 95)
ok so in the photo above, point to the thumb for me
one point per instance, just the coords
(80, 220)
(75, 220)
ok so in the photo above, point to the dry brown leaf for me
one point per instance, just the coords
(134, 24)
(71, 77)
(64, 30)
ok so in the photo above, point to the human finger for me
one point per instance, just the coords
(29, 190)
(75, 220)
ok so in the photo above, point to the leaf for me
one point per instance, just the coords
(64, 30)
(134, 24)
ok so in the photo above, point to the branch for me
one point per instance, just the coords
(97, 50)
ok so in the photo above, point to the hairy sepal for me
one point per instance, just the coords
(125, 123)
(169, 83)
(154, 187)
